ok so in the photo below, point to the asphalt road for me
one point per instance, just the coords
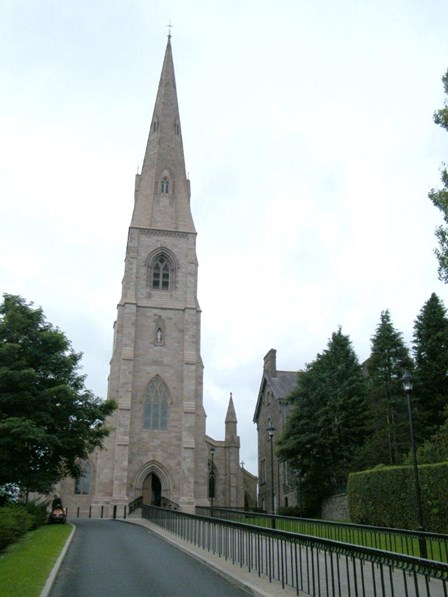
(115, 559)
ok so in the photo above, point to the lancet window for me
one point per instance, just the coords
(82, 483)
(156, 405)
(165, 185)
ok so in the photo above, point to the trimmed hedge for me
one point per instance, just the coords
(385, 496)
(17, 519)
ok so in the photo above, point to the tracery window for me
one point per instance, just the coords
(82, 483)
(164, 185)
(161, 273)
(156, 405)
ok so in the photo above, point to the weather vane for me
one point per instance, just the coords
(169, 29)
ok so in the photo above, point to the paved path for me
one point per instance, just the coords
(114, 559)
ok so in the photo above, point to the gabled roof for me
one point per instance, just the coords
(282, 384)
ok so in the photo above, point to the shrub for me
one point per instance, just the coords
(39, 512)
(386, 496)
(14, 522)
(290, 511)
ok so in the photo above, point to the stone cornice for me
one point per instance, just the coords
(159, 232)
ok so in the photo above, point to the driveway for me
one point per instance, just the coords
(115, 559)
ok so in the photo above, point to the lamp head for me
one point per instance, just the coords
(407, 381)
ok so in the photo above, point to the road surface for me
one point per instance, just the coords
(116, 559)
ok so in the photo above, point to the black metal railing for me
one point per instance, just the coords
(98, 511)
(403, 541)
(311, 565)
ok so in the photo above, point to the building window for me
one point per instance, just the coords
(286, 473)
(262, 470)
(156, 405)
(82, 483)
(161, 273)
(164, 185)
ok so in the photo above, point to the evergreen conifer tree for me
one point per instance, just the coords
(431, 365)
(389, 440)
(328, 423)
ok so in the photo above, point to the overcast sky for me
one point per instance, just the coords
(308, 136)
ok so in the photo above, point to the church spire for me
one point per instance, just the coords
(231, 423)
(162, 193)
(231, 415)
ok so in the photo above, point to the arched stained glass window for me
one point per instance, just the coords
(161, 273)
(156, 409)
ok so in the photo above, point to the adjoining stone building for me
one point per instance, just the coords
(158, 448)
(277, 484)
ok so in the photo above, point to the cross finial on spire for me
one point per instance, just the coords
(169, 29)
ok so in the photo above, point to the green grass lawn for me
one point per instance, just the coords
(26, 565)
(355, 536)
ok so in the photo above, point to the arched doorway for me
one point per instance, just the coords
(152, 490)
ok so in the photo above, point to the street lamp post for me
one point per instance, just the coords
(270, 431)
(407, 386)
(212, 480)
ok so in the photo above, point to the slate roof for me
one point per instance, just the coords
(281, 385)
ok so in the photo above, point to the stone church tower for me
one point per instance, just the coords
(158, 448)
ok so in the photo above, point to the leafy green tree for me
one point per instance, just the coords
(48, 419)
(328, 422)
(389, 439)
(430, 348)
(439, 197)
(434, 449)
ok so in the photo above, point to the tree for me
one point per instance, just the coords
(48, 419)
(389, 440)
(431, 362)
(439, 197)
(434, 449)
(328, 422)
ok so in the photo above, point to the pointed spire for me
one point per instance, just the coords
(231, 415)
(231, 424)
(162, 193)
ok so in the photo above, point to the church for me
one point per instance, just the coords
(158, 450)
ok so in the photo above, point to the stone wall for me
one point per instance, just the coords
(335, 508)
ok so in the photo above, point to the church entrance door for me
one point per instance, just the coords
(152, 490)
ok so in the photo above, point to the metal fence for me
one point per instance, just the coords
(401, 541)
(311, 565)
(98, 511)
